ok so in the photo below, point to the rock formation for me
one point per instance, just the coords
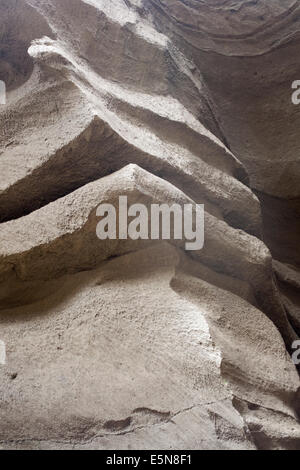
(124, 344)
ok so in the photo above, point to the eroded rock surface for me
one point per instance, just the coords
(123, 344)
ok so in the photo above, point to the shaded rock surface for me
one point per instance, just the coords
(123, 344)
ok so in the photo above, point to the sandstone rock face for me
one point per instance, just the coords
(123, 344)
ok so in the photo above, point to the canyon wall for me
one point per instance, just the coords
(123, 344)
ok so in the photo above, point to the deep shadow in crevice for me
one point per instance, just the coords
(281, 227)
(20, 25)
